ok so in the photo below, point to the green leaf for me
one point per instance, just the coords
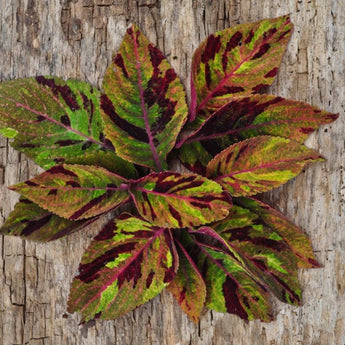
(259, 164)
(32, 222)
(243, 59)
(176, 200)
(126, 265)
(188, 286)
(75, 191)
(108, 160)
(249, 116)
(53, 121)
(297, 240)
(275, 263)
(231, 287)
(194, 157)
(144, 104)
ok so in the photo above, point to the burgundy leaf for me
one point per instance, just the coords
(188, 286)
(128, 263)
(144, 104)
(297, 240)
(272, 260)
(179, 200)
(243, 59)
(253, 115)
(75, 191)
(259, 164)
(32, 222)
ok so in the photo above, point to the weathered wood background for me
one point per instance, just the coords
(75, 39)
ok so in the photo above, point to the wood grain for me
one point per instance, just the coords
(76, 39)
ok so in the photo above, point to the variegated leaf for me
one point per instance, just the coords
(259, 164)
(231, 287)
(249, 116)
(144, 104)
(243, 59)
(188, 286)
(75, 191)
(179, 200)
(297, 240)
(194, 157)
(275, 263)
(53, 121)
(32, 222)
(127, 264)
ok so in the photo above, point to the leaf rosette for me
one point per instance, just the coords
(201, 234)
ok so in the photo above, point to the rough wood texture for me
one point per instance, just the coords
(75, 39)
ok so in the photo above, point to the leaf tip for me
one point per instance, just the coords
(13, 188)
(332, 117)
(320, 158)
(195, 319)
(132, 28)
(287, 18)
(311, 263)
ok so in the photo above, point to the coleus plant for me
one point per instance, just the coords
(202, 234)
